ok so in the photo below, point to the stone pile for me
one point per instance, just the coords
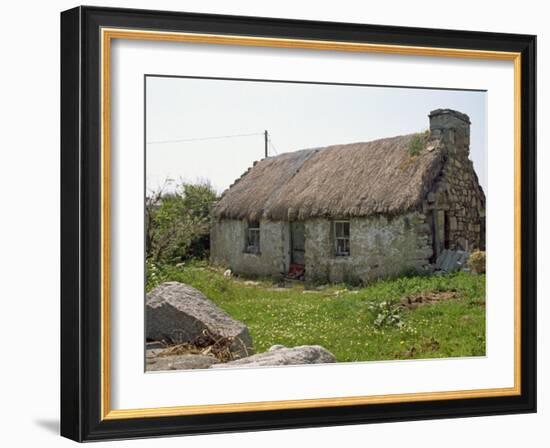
(186, 330)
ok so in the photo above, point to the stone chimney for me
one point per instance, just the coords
(453, 128)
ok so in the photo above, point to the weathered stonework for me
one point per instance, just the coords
(227, 247)
(448, 214)
(456, 204)
(379, 247)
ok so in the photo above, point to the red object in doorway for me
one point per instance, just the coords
(296, 270)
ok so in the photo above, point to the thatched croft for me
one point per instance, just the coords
(356, 211)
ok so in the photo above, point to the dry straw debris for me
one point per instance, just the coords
(476, 262)
(204, 344)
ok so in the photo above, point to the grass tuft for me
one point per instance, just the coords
(416, 144)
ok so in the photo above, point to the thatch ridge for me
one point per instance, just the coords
(338, 181)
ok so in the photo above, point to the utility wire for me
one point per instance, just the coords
(160, 142)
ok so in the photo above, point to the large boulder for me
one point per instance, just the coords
(279, 355)
(179, 313)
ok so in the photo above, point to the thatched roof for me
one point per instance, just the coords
(358, 179)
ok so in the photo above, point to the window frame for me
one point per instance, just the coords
(346, 238)
(252, 227)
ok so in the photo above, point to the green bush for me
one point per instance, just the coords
(178, 223)
(154, 275)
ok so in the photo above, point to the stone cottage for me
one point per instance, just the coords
(356, 211)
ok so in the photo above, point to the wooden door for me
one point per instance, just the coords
(298, 242)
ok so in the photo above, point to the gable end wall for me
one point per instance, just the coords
(456, 206)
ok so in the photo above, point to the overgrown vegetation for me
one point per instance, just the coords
(387, 313)
(408, 317)
(355, 324)
(416, 144)
(177, 223)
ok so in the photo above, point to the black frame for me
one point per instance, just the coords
(80, 223)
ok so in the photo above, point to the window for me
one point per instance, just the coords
(253, 237)
(341, 238)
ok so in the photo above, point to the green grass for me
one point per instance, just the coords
(341, 319)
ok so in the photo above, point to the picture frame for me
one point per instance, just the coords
(86, 37)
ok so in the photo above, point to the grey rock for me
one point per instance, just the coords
(179, 362)
(279, 355)
(276, 347)
(451, 260)
(180, 313)
(453, 223)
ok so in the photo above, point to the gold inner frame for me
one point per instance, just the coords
(107, 35)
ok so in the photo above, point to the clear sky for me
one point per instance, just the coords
(297, 116)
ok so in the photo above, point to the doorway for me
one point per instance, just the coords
(297, 243)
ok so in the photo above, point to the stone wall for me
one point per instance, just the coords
(379, 247)
(459, 207)
(227, 248)
(456, 205)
